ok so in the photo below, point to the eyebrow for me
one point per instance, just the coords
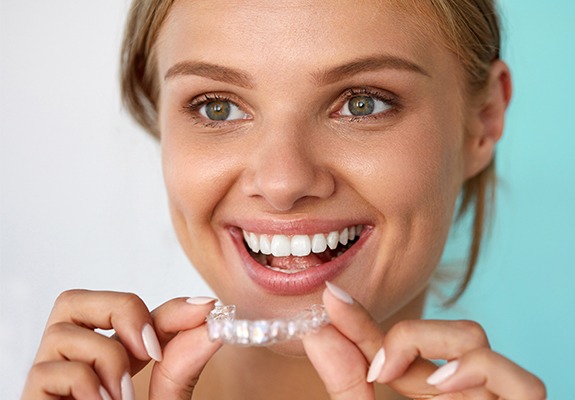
(367, 64)
(210, 71)
(322, 78)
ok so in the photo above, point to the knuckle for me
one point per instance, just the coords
(57, 329)
(473, 331)
(483, 356)
(185, 386)
(131, 301)
(68, 297)
(351, 386)
(537, 389)
(541, 393)
(82, 372)
(36, 373)
(403, 329)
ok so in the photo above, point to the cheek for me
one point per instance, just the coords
(420, 173)
(186, 181)
(197, 177)
(413, 185)
(197, 172)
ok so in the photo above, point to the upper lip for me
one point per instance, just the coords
(295, 227)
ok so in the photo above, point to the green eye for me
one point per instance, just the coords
(361, 105)
(218, 110)
(364, 105)
(221, 110)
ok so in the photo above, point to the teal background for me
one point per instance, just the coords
(523, 289)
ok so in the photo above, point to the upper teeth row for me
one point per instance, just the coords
(299, 245)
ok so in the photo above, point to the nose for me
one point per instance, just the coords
(287, 167)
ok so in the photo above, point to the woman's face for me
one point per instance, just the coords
(293, 124)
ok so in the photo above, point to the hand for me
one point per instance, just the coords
(341, 353)
(74, 361)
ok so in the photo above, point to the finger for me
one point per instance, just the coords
(180, 314)
(188, 350)
(186, 356)
(486, 368)
(353, 321)
(126, 313)
(56, 379)
(109, 359)
(408, 341)
(339, 363)
(177, 315)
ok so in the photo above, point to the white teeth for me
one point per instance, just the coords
(299, 245)
(352, 233)
(254, 243)
(344, 236)
(265, 245)
(333, 239)
(318, 243)
(281, 246)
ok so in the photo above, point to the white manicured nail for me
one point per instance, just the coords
(376, 366)
(339, 293)
(443, 373)
(200, 300)
(127, 388)
(151, 343)
(104, 394)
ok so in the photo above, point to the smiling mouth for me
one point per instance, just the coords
(291, 254)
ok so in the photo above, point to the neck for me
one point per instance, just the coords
(252, 373)
(257, 373)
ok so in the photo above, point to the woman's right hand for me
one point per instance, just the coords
(74, 361)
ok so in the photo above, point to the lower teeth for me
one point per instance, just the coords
(285, 271)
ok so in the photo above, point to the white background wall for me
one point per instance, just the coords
(82, 202)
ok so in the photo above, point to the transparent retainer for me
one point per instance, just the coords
(222, 325)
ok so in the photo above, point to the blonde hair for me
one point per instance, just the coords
(470, 29)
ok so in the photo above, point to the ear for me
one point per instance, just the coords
(487, 119)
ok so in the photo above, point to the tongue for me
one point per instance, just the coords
(299, 263)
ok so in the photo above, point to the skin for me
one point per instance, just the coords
(294, 160)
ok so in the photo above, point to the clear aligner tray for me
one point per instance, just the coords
(223, 325)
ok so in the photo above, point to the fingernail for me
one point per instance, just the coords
(127, 388)
(200, 300)
(339, 293)
(104, 394)
(151, 343)
(443, 373)
(376, 366)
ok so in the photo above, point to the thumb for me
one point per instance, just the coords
(182, 331)
(185, 356)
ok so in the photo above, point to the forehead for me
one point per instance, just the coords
(295, 35)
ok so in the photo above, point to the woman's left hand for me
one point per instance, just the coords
(343, 351)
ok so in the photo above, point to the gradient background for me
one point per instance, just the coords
(82, 201)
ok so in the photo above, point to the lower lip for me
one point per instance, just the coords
(299, 283)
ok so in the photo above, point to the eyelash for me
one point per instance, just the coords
(388, 98)
(193, 106)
